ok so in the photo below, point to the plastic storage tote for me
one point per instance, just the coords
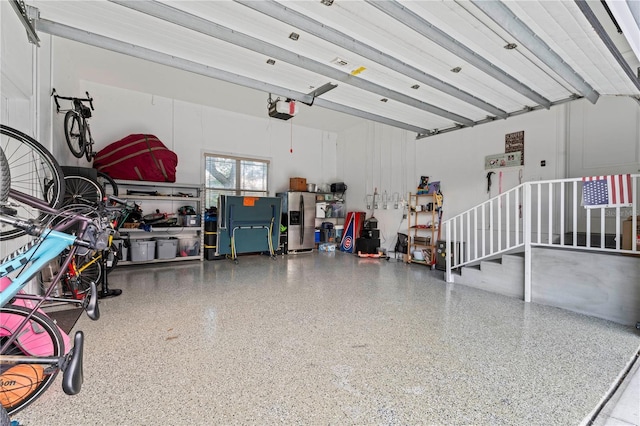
(189, 246)
(142, 250)
(166, 247)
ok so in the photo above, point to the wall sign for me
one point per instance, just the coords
(514, 142)
(499, 161)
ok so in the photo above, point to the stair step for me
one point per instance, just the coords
(469, 275)
(503, 275)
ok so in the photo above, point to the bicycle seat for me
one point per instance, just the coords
(72, 376)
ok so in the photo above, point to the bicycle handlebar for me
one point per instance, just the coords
(73, 99)
(126, 203)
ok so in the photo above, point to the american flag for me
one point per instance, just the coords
(606, 191)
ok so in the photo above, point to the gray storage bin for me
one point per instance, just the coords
(142, 250)
(166, 247)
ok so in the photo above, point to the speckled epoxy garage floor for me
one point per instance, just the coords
(331, 339)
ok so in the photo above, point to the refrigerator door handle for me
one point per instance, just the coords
(302, 224)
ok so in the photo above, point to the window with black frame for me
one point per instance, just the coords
(230, 175)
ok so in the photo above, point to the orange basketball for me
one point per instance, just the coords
(18, 382)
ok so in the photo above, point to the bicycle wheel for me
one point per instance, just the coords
(22, 383)
(110, 187)
(88, 143)
(88, 272)
(34, 172)
(74, 134)
(82, 190)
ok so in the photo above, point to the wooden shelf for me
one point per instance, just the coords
(420, 262)
(421, 225)
(431, 246)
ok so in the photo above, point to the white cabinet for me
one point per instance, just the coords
(187, 234)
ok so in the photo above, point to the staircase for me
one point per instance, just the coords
(504, 275)
(538, 243)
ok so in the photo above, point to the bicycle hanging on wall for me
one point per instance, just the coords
(76, 125)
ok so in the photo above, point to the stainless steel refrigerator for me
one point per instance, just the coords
(300, 208)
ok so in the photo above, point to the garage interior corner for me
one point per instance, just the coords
(331, 338)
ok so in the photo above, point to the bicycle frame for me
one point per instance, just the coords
(41, 252)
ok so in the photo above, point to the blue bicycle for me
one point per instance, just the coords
(33, 349)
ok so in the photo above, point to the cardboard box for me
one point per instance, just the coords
(627, 237)
(297, 184)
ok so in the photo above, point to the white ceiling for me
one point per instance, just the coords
(384, 48)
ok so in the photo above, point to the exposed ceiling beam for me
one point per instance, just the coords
(369, 116)
(203, 26)
(490, 120)
(296, 19)
(21, 11)
(507, 20)
(436, 35)
(70, 33)
(602, 33)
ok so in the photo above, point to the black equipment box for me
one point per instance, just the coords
(441, 254)
(370, 233)
(371, 223)
(338, 187)
(367, 245)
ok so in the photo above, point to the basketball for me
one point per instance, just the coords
(18, 382)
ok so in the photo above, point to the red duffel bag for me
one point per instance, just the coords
(138, 157)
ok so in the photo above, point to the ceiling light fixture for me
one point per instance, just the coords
(326, 2)
(340, 62)
(271, 62)
(510, 46)
(456, 69)
(415, 86)
(294, 36)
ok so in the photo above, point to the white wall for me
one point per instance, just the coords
(393, 160)
(604, 138)
(374, 157)
(575, 139)
(189, 128)
(17, 101)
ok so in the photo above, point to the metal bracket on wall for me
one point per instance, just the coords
(21, 11)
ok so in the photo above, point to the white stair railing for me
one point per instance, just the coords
(543, 213)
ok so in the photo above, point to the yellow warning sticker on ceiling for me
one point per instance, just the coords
(358, 70)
